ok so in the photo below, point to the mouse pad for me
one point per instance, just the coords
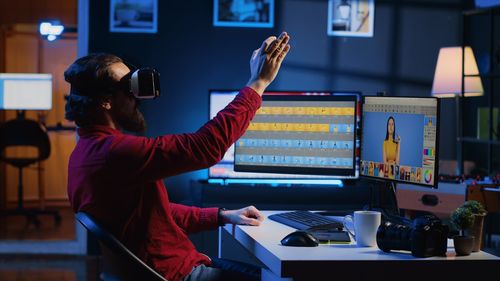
(331, 236)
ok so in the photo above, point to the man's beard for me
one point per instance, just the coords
(132, 122)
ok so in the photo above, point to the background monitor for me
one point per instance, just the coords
(225, 168)
(404, 130)
(301, 135)
(25, 91)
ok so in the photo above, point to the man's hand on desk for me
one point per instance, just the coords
(247, 216)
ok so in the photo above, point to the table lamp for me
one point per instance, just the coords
(447, 83)
(448, 75)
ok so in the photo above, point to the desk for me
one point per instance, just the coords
(349, 262)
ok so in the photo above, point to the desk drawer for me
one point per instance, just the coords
(441, 201)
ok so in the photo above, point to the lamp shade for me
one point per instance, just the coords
(448, 74)
(344, 9)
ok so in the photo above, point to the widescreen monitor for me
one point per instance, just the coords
(301, 135)
(225, 168)
(399, 139)
(25, 91)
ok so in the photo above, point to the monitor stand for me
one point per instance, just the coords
(383, 199)
(20, 114)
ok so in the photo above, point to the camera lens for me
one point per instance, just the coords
(392, 236)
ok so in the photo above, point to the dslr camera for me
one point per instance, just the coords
(425, 236)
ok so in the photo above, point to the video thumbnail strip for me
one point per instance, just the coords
(305, 110)
(287, 160)
(301, 127)
(294, 143)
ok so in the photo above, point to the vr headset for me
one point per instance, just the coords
(143, 83)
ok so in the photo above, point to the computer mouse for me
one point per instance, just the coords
(300, 238)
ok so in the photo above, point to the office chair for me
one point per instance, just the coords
(120, 264)
(25, 132)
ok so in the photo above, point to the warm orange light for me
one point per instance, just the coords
(448, 76)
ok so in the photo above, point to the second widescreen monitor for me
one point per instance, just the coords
(301, 134)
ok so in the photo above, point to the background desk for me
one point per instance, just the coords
(349, 262)
(441, 201)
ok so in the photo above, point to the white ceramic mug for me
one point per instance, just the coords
(366, 224)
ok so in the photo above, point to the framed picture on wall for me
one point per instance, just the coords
(244, 13)
(138, 16)
(351, 18)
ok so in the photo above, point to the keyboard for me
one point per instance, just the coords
(303, 220)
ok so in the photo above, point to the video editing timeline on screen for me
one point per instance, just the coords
(225, 168)
(415, 123)
(310, 134)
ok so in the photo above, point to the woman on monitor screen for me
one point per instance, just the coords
(390, 151)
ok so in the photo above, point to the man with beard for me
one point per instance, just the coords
(117, 177)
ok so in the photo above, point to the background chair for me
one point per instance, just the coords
(120, 264)
(25, 132)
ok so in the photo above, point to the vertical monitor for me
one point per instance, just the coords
(225, 168)
(399, 139)
(301, 135)
(25, 91)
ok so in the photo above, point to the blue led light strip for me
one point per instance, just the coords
(276, 182)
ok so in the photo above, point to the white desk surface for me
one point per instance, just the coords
(264, 243)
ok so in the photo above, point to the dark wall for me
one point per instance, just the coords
(193, 56)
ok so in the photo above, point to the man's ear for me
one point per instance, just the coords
(106, 104)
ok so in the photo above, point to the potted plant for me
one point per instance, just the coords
(463, 219)
(479, 213)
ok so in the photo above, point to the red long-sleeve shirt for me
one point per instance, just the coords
(117, 178)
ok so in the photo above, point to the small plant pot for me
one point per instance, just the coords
(477, 232)
(463, 244)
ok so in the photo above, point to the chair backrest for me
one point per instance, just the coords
(24, 132)
(120, 263)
